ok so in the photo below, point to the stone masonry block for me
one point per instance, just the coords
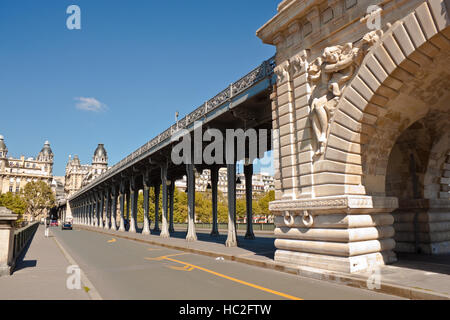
(414, 30)
(303, 135)
(393, 49)
(286, 129)
(344, 145)
(288, 161)
(304, 145)
(285, 119)
(287, 140)
(426, 21)
(283, 99)
(439, 13)
(355, 98)
(402, 38)
(349, 109)
(341, 156)
(302, 102)
(303, 123)
(300, 80)
(302, 112)
(385, 60)
(362, 88)
(347, 134)
(367, 76)
(283, 110)
(301, 90)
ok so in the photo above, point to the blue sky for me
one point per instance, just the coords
(136, 62)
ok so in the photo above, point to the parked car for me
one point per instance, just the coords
(66, 225)
(54, 223)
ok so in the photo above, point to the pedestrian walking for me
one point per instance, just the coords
(46, 228)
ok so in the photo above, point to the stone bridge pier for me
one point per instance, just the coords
(362, 154)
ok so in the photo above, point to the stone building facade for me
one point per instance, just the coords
(15, 173)
(78, 175)
(361, 107)
(261, 183)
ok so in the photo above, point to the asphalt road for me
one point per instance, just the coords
(126, 269)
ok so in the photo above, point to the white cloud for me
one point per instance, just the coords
(90, 104)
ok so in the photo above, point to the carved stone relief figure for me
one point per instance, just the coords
(328, 75)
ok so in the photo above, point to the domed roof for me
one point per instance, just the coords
(100, 152)
(76, 160)
(2, 143)
(46, 150)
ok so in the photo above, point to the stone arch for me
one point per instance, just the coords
(368, 121)
(437, 176)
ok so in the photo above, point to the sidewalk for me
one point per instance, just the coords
(40, 273)
(411, 277)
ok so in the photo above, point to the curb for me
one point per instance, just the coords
(92, 293)
(306, 272)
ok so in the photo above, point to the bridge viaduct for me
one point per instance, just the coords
(357, 97)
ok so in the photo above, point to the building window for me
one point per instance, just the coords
(10, 188)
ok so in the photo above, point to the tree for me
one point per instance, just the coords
(241, 209)
(39, 197)
(15, 203)
(180, 211)
(263, 203)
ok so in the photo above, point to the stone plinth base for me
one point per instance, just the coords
(342, 233)
(7, 219)
(423, 226)
(333, 263)
(6, 270)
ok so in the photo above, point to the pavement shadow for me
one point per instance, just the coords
(428, 263)
(260, 246)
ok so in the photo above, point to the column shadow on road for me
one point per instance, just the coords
(260, 246)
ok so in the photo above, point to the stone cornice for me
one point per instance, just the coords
(7, 215)
(338, 202)
(294, 10)
(424, 203)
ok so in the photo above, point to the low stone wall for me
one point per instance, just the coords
(22, 236)
(7, 222)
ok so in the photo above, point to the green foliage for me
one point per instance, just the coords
(263, 203)
(38, 197)
(203, 206)
(15, 203)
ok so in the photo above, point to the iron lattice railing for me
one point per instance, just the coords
(265, 70)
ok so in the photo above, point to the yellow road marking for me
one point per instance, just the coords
(284, 295)
(185, 268)
(165, 257)
(112, 240)
(155, 249)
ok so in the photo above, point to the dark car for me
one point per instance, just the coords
(54, 223)
(66, 226)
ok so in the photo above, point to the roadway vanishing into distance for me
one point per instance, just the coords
(126, 269)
